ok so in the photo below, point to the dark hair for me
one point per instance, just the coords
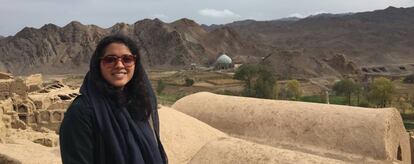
(136, 93)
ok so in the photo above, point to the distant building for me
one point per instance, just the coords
(223, 62)
(193, 66)
(237, 65)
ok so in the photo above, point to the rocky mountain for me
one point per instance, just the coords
(368, 38)
(52, 49)
(295, 64)
(324, 44)
(332, 44)
(250, 24)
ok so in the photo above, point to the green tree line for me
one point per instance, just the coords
(260, 82)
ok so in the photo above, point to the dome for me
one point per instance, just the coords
(224, 59)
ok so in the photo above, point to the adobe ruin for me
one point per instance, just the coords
(230, 130)
(388, 70)
(32, 103)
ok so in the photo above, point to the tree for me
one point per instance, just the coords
(402, 105)
(293, 89)
(381, 91)
(409, 79)
(160, 86)
(189, 82)
(276, 90)
(247, 73)
(346, 88)
(358, 92)
(259, 80)
(264, 84)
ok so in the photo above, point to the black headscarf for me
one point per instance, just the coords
(126, 137)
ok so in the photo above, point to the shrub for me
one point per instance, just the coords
(189, 82)
(381, 91)
(259, 81)
(346, 88)
(293, 89)
(160, 86)
(363, 104)
(409, 79)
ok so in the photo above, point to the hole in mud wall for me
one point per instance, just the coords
(73, 94)
(403, 68)
(22, 109)
(375, 70)
(45, 116)
(38, 104)
(383, 69)
(57, 116)
(4, 95)
(23, 118)
(399, 156)
(64, 97)
(44, 91)
(365, 70)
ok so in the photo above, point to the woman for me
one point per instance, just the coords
(115, 119)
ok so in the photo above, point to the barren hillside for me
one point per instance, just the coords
(362, 39)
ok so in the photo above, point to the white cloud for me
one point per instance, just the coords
(297, 15)
(162, 17)
(159, 16)
(217, 13)
(317, 13)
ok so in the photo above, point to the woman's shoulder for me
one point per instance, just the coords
(78, 116)
(76, 134)
(80, 107)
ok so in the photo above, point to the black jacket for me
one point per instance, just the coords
(79, 138)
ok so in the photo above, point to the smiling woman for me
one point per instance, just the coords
(113, 71)
(115, 119)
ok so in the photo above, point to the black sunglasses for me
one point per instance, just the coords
(111, 60)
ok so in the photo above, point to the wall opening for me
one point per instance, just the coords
(64, 97)
(22, 109)
(57, 116)
(45, 116)
(399, 156)
(23, 118)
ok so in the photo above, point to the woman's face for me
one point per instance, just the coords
(116, 66)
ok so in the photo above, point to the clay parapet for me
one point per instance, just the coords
(188, 140)
(346, 133)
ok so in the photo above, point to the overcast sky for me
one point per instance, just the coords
(16, 14)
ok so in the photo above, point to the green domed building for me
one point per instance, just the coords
(223, 62)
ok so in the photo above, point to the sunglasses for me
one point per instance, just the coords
(111, 60)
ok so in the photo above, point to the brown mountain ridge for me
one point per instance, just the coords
(292, 47)
(52, 49)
